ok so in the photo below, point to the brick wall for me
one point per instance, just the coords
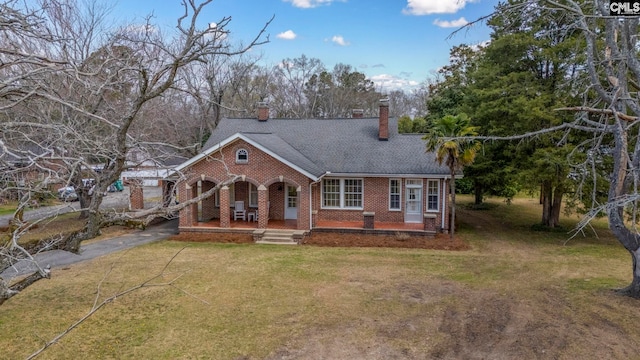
(261, 169)
(136, 196)
(376, 200)
(276, 201)
(209, 210)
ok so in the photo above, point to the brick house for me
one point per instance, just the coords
(315, 174)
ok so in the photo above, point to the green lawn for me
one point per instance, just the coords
(517, 294)
(6, 209)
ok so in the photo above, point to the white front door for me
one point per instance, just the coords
(291, 203)
(413, 201)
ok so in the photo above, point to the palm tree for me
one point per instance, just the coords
(447, 137)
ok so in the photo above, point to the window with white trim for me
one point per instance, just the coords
(342, 193)
(331, 193)
(395, 194)
(253, 195)
(242, 156)
(433, 195)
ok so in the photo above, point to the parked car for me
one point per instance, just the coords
(67, 193)
(116, 186)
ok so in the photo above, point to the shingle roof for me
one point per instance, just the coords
(339, 146)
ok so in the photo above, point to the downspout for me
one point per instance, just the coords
(311, 197)
(444, 201)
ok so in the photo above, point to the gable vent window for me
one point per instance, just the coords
(242, 156)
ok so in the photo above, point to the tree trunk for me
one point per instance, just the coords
(545, 200)
(479, 192)
(633, 290)
(452, 222)
(556, 205)
(541, 199)
(628, 240)
(551, 204)
(617, 189)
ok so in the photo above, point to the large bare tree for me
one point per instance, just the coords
(74, 91)
(609, 84)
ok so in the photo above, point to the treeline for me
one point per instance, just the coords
(514, 84)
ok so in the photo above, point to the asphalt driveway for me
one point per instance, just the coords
(61, 258)
(115, 200)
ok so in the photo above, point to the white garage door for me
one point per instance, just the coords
(150, 182)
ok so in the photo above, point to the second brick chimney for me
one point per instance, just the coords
(383, 125)
(263, 111)
(357, 113)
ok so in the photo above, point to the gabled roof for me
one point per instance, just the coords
(337, 146)
(270, 144)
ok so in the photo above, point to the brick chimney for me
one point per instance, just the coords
(383, 125)
(263, 111)
(357, 113)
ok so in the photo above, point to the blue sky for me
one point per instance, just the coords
(395, 43)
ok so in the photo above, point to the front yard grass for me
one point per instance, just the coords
(517, 294)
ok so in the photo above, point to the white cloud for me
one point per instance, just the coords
(386, 82)
(451, 24)
(287, 35)
(307, 4)
(427, 7)
(338, 39)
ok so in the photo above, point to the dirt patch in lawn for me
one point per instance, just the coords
(439, 242)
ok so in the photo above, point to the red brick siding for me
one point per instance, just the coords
(242, 193)
(383, 126)
(136, 195)
(209, 209)
(188, 215)
(276, 201)
(261, 169)
(376, 199)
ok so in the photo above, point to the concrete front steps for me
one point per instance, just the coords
(278, 236)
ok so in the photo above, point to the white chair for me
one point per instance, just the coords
(239, 212)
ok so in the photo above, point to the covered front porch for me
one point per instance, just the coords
(244, 206)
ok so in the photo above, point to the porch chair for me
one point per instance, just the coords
(239, 211)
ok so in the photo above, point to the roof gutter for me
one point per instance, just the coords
(393, 176)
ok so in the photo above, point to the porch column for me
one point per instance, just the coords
(225, 210)
(263, 207)
(303, 211)
(188, 215)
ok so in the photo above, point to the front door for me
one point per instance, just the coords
(291, 203)
(413, 199)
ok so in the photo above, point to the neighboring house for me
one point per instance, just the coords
(26, 166)
(313, 174)
(149, 169)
